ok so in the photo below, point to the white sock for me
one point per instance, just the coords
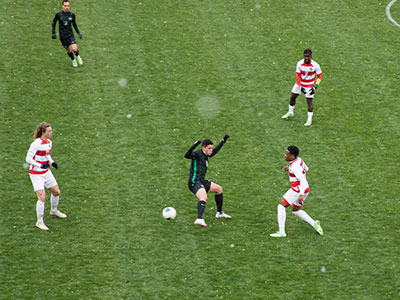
(281, 218)
(310, 114)
(291, 109)
(54, 202)
(39, 211)
(304, 216)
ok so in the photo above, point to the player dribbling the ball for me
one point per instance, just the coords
(200, 186)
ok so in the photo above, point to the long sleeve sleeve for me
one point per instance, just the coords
(75, 25)
(188, 153)
(53, 25)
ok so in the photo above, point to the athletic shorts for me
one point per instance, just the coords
(297, 90)
(194, 187)
(291, 197)
(67, 40)
(41, 181)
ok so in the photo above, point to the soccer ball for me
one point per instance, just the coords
(169, 213)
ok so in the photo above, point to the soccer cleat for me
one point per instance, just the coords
(58, 213)
(318, 228)
(308, 123)
(288, 115)
(221, 214)
(80, 60)
(200, 222)
(41, 225)
(74, 63)
(278, 234)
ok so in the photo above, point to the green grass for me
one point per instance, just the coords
(116, 173)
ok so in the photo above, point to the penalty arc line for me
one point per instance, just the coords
(388, 13)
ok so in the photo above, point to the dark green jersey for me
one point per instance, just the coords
(199, 165)
(65, 20)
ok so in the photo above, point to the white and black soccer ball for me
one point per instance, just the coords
(169, 213)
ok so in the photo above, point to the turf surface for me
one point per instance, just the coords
(159, 75)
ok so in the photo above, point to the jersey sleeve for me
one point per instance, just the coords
(74, 23)
(318, 70)
(53, 25)
(298, 71)
(31, 153)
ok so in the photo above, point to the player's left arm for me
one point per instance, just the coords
(316, 85)
(223, 141)
(76, 26)
(52, 162)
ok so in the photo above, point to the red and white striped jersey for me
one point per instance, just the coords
(297, 176)
(307, 73)
(38, 154)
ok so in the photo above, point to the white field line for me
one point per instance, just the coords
(388, 13)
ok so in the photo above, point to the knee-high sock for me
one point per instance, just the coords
(71, 55)
(39, 210)
(201, 205)
(304, 216)
(281, 218)
(219, 199)
(54, 202)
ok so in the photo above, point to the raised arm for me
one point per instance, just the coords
(223, 141)
(188, 153)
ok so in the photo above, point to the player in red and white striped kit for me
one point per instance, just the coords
(309, 76)
(297, 194)
(41, 176)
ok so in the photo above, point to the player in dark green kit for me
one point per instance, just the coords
(200, 186)
(65, 19)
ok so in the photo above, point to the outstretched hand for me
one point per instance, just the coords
(225, 138)
(286, 168)
(80, 35)
(54, 164)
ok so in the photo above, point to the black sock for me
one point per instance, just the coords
(200, 209)
(219, 199)
(71, 55)
(77, 53)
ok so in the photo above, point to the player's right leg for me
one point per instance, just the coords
(201, 194)
(38, 186)
(295, 93)
(41, 195)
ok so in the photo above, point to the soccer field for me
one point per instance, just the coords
(157, 76)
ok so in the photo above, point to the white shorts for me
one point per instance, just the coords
(296, 90)
(41, 181)
(292, 198)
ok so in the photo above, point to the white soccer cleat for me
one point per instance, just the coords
(58, 214)
(278, 234)
(318, 228)
(288, 115)
(200, 222)
(42, 226)
(221, 214)
(80, 60)
(308, 123)
(74, 63)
